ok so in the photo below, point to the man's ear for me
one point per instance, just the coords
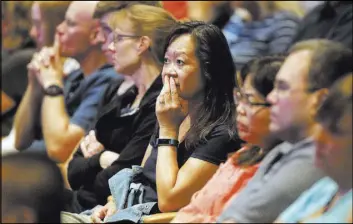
(318, 97)
(321, 95)
(144, 44)
(94, 35)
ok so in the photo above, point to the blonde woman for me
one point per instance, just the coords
(139, 33)
(126, 122)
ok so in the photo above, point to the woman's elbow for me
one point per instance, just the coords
(166, 205)
(57, 154)
(21, 144)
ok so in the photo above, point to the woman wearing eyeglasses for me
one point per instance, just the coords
(252, 124)
(195, 133)
(125, 125)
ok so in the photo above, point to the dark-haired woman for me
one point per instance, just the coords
(196, 128)
(252, 124)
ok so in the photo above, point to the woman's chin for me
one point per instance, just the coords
(119, 69)
(243, 135)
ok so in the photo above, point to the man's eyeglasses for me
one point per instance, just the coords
(240, 97)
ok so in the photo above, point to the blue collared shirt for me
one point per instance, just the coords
(316, 198)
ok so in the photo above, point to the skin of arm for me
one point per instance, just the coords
(27, 114)
(61, 137)
(147, 154)
(176, 186)
(59, 134)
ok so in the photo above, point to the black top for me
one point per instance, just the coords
(331, 20)
(219, 144)
(120, 130)
(14, 82)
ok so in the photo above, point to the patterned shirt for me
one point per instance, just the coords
(248, 40)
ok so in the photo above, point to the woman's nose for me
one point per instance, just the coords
(170, 71)
(111, 47)
(240, 109)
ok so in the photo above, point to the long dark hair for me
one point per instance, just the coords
(218, 69)
(262, 71)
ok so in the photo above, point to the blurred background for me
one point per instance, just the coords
(16, 18)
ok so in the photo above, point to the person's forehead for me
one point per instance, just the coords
(123, 25)
(81, 11)
(247, 87)
(182, 44)
(35, 11)
(295, 68)
(104, 19)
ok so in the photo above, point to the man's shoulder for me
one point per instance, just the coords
(287, 153)
(305, 147)
(106, 72)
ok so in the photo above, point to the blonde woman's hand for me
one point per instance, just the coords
(107, 158)
(171, 110)
(90, 145)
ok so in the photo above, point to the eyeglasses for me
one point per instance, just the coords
(241, 97)
(119, 37)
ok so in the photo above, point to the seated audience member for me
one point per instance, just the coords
(124, 126)
(330, 20)
(32, 189)
(309, 5)
(206, 11)
(195, 108)
(14, 68)
(330, 199)
(260, 28)
(288, 169)
(253, 118)
(58, 113)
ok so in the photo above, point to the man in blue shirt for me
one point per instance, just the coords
(58, 112)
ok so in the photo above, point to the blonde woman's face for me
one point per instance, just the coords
(252, 121)
(125, 48)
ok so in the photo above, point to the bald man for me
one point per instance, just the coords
(55, 113)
